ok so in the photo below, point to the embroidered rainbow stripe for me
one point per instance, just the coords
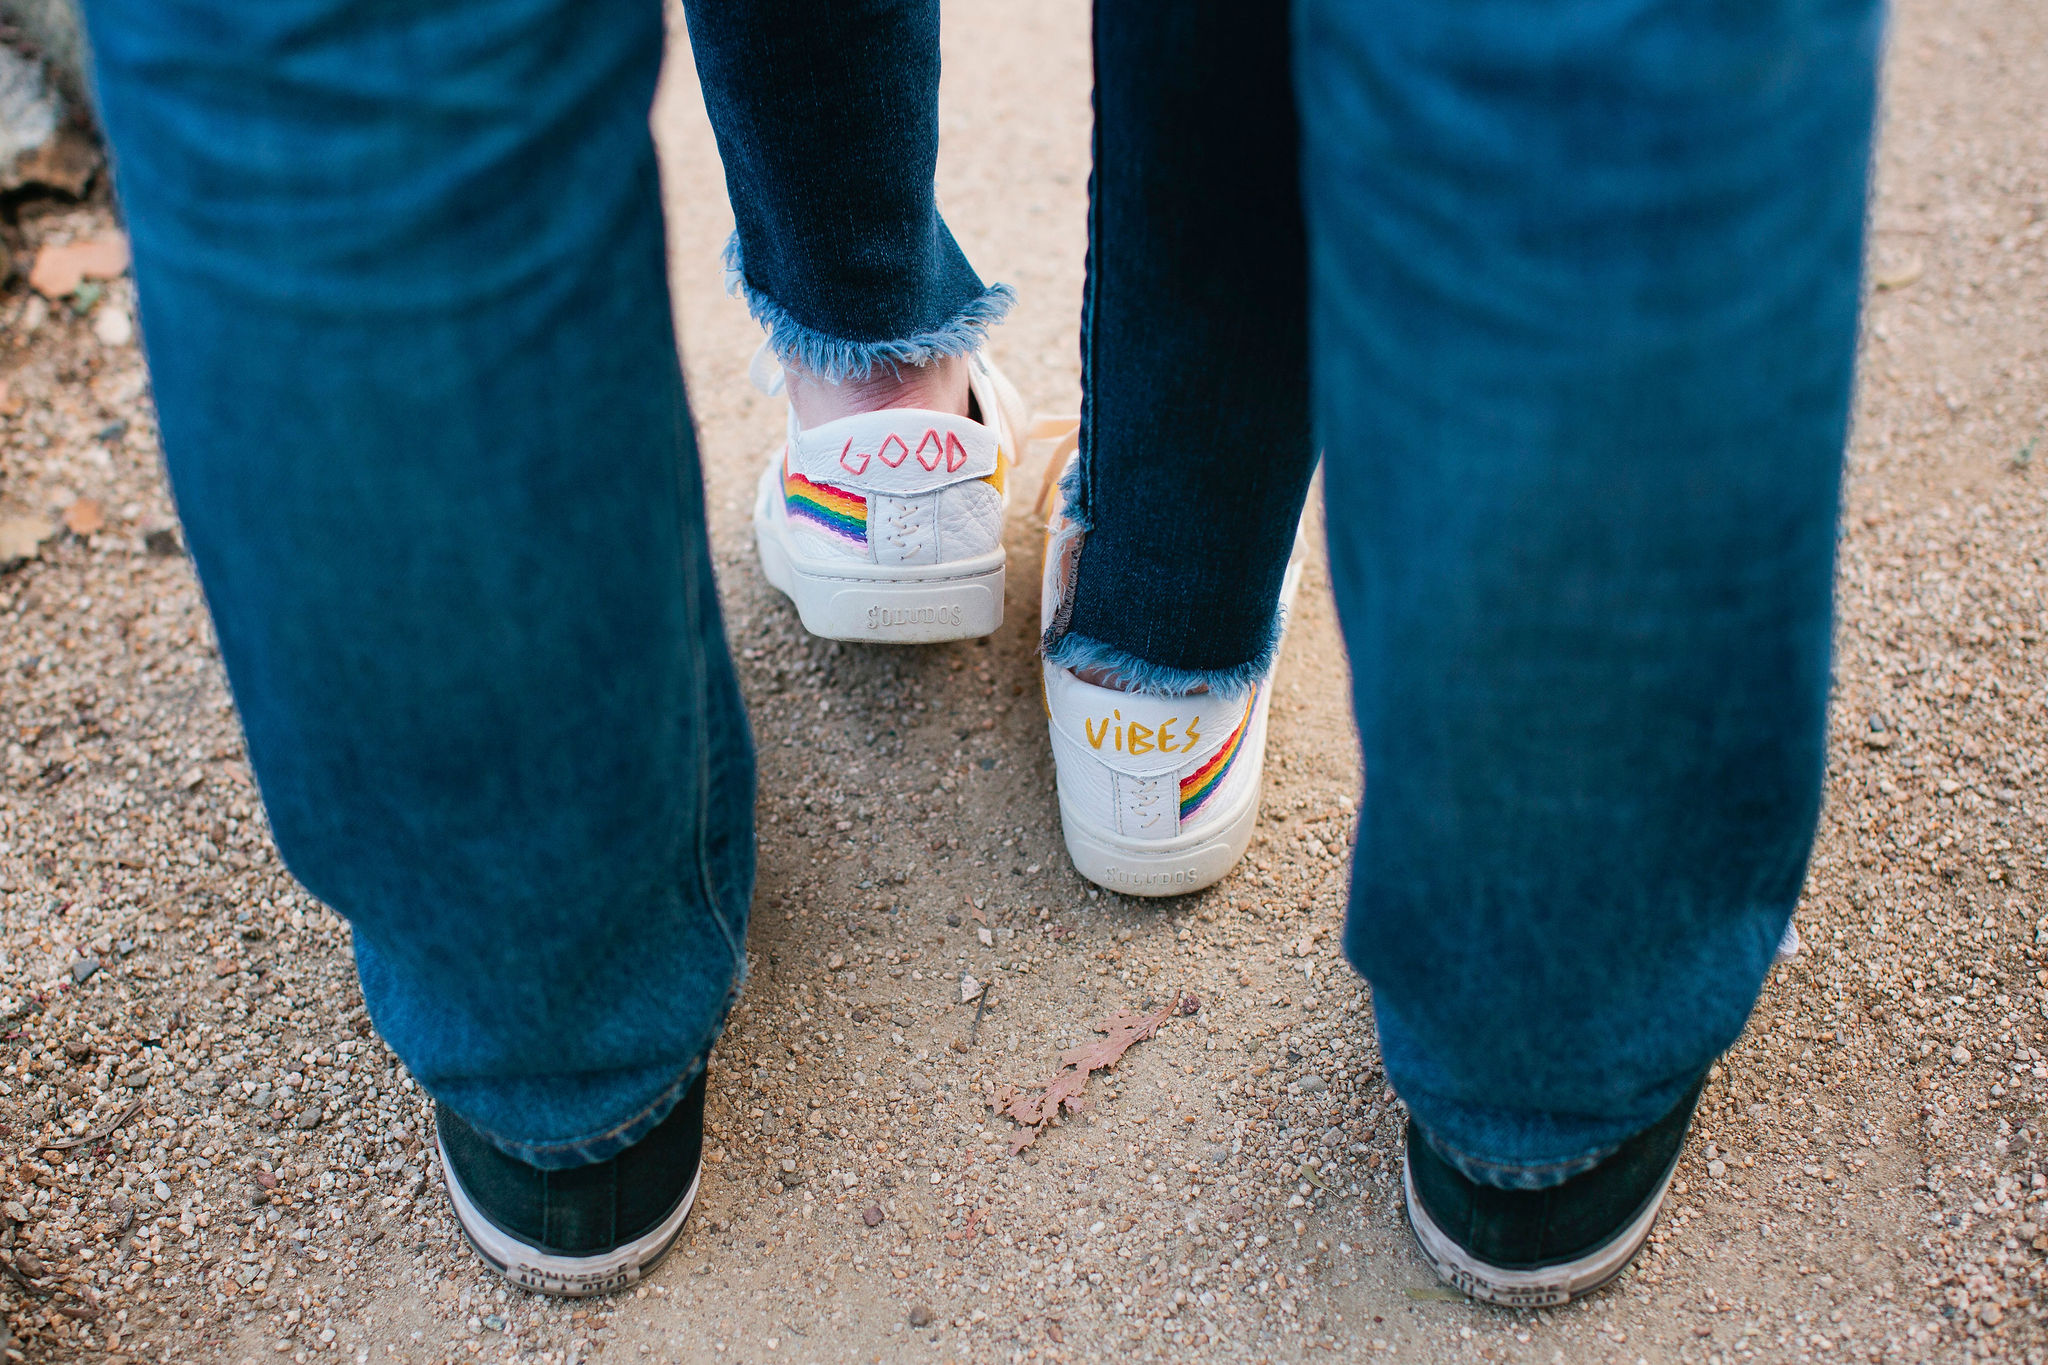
(1200, 784)
(833, 510)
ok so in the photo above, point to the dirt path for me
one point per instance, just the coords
(1868, 1160)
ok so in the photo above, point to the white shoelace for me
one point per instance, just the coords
(766, 371)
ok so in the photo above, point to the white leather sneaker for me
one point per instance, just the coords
(1158, 795)
(888, 526)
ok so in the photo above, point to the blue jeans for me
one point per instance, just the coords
(1565, 295)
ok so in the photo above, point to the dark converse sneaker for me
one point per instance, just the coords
(587, 1230)
(1541, 1248)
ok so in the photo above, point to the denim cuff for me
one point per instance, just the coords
(598, 1146)
(836, 359)
(1540, 1176)
(1078, 652)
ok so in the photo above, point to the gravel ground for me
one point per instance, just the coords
(254, 1179)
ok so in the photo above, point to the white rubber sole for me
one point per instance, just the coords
(569, 1277)
(1170, 867)
(883, 604)
(1544, 1288)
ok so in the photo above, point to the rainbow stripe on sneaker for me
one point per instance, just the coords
(1199, 785)
(833, 510)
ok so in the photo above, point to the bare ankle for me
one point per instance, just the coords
(939, 385)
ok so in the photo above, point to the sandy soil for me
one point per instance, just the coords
(1866, 1173)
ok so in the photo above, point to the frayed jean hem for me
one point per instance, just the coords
(837, 359)
(1539, 1176)
(1079, 652)
(601, 1146)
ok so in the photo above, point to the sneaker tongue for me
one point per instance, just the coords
(1142, 733)
(897, 450)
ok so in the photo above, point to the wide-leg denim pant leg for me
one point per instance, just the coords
(1583, 295)
(401, 282)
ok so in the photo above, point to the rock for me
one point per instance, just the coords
(1961, 1056)
(858, 1015)
(15, 1210)
(161, 1191)
(21, 539)
(61, 268)
(83, 970)
(872, 1215)
(1990, 1314)
(40, 143)
(836, 962)
(162, 542)
(85, 517)
(113, 324)
(308, 1118)
(920, 1316)
(901, 1020)
(969, 988)
(55, 29)
(1313, 1084)
(29, 113)
(1717, 1169)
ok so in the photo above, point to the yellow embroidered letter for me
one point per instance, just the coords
(1194, 736)
(1166, 735)
(1140, 738)
(1095, 736)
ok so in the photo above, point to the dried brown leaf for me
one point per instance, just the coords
(1064, 1093)
(1020, 1105)
(1124, 1028)
(1031, 1111)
